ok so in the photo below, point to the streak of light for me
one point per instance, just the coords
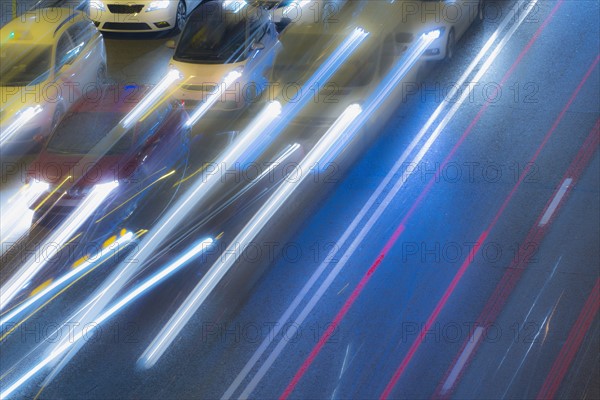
(52, 193)
(214, 275)
(177, 213)
(16, 215)
(66, 279)
(259, 128)
(229, 79)
(135, 195)
(23, 117)
(380, 94)
(149, 100)
(35, 263)
(131, 296)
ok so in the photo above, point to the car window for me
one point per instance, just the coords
(64, 51)
(81, 33)
(218, 40)
(22, 65)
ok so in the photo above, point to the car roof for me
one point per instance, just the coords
(39, 26)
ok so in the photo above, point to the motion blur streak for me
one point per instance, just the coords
(207, 180)
(68, 178)
(64, 280)
(22, 119)
(119, 305)
(136, 194)
(363, 212)
(229, 79)
(570, 347)
(146, 104)
(379, 95)
(218, 270)
(17, 212)
(375, 100)
(55, 242)
(201, 188)
(317, 79)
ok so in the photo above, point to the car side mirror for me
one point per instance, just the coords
(257, 46)
(170, 43)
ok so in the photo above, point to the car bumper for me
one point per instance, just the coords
(157, 20)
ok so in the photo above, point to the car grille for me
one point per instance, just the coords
(126, 26)
(125, 9)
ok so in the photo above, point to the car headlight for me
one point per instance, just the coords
(157, 5)
(98, 5)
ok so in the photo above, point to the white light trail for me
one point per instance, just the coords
(55, 242)
(148, 101)
(118, 306)
(65, 279)
(178, 213)
(229, 79)
(357, 238)
(24, 116)
(218, 270)
(16, 215)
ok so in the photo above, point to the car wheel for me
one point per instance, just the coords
(450, 45)
(180, 16)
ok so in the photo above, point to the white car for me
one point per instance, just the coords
(49, 58)
(140, 15)
(451, 17)
(221, 37)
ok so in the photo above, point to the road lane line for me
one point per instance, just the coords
(464, 356)
(555, 201)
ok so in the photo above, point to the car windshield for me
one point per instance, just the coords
(24, 65)
(213, 41)
(74, 136)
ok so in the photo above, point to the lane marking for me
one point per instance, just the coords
(555, 201)
(462, 360)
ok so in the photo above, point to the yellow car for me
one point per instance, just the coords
(49, 58)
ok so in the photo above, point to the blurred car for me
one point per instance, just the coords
(48, 58)
(92, 147)
(451, 17)
(221, 37)
(306, 46)
(141, 15)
